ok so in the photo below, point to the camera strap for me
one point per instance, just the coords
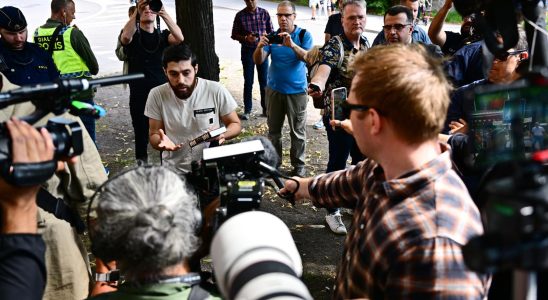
(54, 38)
(59, 209)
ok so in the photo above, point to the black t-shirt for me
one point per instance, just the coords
(145, 56)
(22, 266)
(334, 25)
(453, 42)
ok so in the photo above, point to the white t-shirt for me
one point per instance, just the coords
(184, 120)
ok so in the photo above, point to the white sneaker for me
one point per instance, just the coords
(335, 223)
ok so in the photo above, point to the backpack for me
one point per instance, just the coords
(313, 58)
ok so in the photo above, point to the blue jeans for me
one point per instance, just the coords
(341, 144)
(249, 68)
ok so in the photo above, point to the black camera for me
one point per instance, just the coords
(274, 38)
(155, 5)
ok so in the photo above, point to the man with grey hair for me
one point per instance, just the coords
(146, 222)
(335, 72)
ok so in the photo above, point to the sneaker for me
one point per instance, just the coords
(318, 125)
(335, 223)
(244, 116)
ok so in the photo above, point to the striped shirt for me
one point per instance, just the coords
(406, 234)
(257, 22)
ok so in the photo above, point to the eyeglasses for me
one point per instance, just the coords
(285, 15)
(504, 55)
(398, 27)
(348, 107)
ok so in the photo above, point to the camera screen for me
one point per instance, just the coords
(509, 123)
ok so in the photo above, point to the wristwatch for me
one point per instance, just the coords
(111, 276)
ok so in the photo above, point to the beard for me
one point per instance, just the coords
(183, 91)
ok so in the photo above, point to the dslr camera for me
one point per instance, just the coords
(274, 38)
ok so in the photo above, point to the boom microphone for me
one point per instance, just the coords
(268, 160)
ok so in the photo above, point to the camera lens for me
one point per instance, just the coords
(155, 5)
(254, 257)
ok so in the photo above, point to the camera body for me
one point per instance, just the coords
(274, 38)
(228, 172)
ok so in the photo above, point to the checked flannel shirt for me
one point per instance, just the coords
(406, 234)
(246, 22)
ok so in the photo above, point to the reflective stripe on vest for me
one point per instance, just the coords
(69, 63)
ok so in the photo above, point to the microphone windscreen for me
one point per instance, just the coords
(270, 156)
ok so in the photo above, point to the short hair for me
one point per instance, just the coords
(405, 84)
(58, 5)
(131, 10)
(146, 220)
(398, 9)
(176, 53)
(288, 3)
(361, 3)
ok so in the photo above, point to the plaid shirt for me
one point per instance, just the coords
(247, 22)
(406, 234)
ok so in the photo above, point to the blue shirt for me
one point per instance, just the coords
(31, 65)
(418, 35)
(287, 73)
(466, 65)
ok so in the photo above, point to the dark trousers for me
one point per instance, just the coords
(89, 122)
(341, 144)
(249, 68)
(137, 103)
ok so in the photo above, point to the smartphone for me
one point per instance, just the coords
(338, 96)
(314, 87)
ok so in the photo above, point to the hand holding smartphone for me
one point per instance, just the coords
(338, 96)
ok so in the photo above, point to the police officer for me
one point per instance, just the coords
(70, 49)
(20, 61)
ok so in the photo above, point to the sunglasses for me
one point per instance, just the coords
(347, 107)
(284, 15)
(504, 55)
(398, 27)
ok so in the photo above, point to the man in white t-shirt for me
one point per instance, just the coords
(186, 107)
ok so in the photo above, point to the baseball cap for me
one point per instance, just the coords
(12, 19)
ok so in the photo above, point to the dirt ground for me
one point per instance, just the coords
(319, 248)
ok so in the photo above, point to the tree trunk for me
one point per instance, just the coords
(195, 17)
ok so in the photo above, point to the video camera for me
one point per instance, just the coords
(53, 98)
(515, 186)
(236, 174)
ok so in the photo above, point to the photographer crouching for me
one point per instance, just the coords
(147, 219)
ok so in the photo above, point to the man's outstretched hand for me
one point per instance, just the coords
(166, 144)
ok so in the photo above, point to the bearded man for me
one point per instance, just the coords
(186, 107)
